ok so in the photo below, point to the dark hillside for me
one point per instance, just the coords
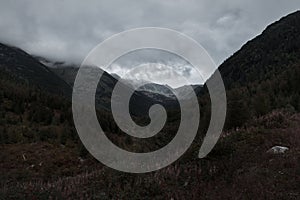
(263, 75)
(27, 68)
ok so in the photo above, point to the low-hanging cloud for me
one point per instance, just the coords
(158, 66)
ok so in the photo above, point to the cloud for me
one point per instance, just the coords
(158, 66)
(68, 29)
(164, 74)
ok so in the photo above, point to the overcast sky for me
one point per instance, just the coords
(66, 30)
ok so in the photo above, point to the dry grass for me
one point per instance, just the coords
(238, 168)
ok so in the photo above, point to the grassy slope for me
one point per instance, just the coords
(238, 168)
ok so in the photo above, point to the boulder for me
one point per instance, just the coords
(278, 150)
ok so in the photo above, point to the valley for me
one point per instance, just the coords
(42, 156)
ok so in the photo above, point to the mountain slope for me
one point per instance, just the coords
(58, 78)
(27, 68)
(263, 75)
(140, 102)
(268, 54)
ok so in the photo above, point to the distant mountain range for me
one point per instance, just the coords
(266, 58)
(150, 92)
(140, 101)
(153, 90)
(58, 78)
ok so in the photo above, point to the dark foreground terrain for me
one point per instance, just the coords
(240, 167)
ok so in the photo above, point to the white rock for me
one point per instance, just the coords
(80, 159)
(278, 150)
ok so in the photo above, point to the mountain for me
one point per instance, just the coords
(66, 73)
(156, 91)
(268, 55)
(140, 101)
(58, 78)
(264, 74)
(182, 91)
(49, 63)
(27, 68)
